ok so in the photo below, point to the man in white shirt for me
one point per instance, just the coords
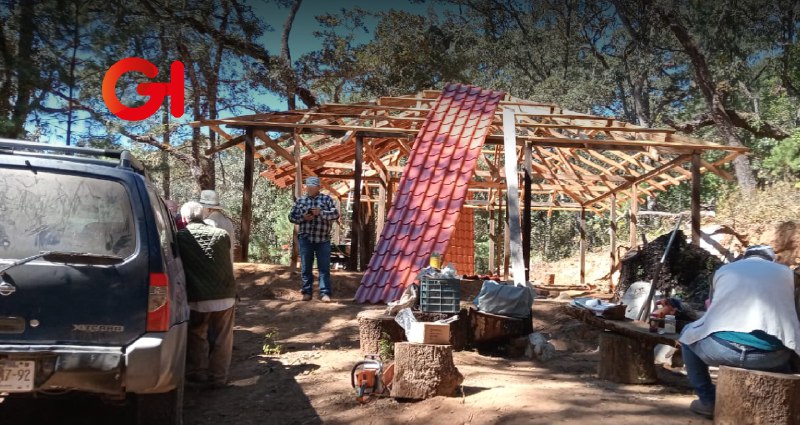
(214, 216)
(751, 323)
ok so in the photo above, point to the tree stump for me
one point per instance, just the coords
(372, 326)
(625, 360)
(423, 370)
(750, 397)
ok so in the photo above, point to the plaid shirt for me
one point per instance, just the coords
(318, 229)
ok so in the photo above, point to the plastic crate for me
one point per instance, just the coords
(440, 295)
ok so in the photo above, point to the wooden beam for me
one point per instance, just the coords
(612, 228)
(582, 223)
(643, 177)
(247, 197)
(230, 143)
(297, 159)
(492, 239)
(526, 213)
(696, 181)
(634, 208)
(355, 222)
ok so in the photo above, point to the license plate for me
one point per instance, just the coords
(16, 376)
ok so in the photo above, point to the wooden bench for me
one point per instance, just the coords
(626, 348)
(750, 397)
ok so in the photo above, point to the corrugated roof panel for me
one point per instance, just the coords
(425, 214)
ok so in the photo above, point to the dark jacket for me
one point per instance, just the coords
(205, 251)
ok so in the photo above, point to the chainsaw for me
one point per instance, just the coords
(370, 378)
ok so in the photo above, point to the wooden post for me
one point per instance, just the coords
(298, 192)
(355, 222)
(696, 180)
(247, 196)
(634, 209)
(626, 360)
(613, 240)
(583, 245)
(380, 220)
(526, 213)
(492, 239)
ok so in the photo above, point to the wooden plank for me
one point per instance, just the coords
(355, 221)
(696, 181)
(381, 211)
(639, 331)
(517, 260)
(247, 197)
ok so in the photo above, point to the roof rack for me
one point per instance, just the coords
(126, 159)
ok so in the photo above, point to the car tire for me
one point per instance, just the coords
(160, 409)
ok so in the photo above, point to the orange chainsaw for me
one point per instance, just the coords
(369, 378)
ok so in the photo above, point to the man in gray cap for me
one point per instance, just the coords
(751, 323)
(315, 214)
(214, 216)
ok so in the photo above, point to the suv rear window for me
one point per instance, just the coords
(42, 211)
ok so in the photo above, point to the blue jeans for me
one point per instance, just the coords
(714, 351)
(308, 250)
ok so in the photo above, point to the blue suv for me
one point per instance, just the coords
(92, 289)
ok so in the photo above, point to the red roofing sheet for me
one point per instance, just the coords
(432, 190)
(461, 251)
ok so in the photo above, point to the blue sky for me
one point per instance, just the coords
(301, 41)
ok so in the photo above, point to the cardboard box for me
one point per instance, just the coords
(429, 333)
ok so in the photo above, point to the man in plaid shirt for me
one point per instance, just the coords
(315, 214)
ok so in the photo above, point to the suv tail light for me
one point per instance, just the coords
(158, 303)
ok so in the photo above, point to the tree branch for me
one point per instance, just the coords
(738, 119)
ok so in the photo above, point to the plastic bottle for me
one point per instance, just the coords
(436, 260)
(669, 324)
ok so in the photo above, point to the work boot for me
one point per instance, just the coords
(325, 299)
(306, 297)
(705, 410)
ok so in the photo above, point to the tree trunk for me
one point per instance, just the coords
(424, 371)
(625, 360)
(290, 80)
(713, 98)
(26, 70)
(749, 397)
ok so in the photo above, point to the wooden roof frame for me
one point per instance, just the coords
(585, 158)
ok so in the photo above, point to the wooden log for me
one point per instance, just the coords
(423, 371)
(488, 327)
(626, 360)
(749, 397)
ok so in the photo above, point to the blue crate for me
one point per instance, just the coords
(440, 295)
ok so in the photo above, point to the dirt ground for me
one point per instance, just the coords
(310, 382)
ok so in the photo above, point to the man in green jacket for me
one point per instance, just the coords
(211, 288)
